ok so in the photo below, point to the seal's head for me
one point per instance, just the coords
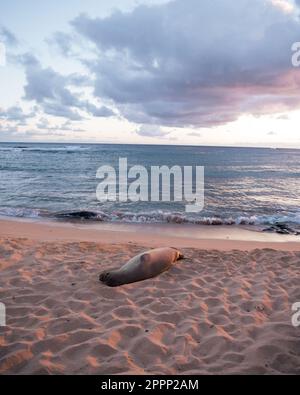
(178, 255)
(109, 278)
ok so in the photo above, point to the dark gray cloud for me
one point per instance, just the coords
(194, 63)
(51, 91)
(8, 37)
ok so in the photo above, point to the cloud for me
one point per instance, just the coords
(151, 131)
(57, 109)
(8, 37)
(13, 133)
(51, 91)
(48, 89)
(44, 124)
(63, 42)
(195, 63)
(194, 134)
(68, 126)
(80, 80)
(283, 117)
(15, 114)
(102, 111)
(284, 5)
(8, 129)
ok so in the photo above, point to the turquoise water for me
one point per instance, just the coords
(242, 185)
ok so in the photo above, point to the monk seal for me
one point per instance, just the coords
(141, 267)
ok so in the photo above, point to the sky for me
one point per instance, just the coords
(199, 72)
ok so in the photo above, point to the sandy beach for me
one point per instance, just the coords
(223, 310)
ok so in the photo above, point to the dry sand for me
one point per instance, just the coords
(222, 310)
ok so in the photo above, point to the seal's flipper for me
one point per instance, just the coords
(105, 275)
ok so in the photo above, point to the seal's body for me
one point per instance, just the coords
(141, 267)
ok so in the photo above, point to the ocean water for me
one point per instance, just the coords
(255, 186)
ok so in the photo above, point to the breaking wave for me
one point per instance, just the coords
(54, 149)
(157, 216)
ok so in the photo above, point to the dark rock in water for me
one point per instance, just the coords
(89, 215)
(282, 229)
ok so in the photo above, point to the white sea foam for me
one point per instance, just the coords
(158, 216)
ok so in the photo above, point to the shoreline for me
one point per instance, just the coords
(221, 238)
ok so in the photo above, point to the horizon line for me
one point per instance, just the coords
(149, 144)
